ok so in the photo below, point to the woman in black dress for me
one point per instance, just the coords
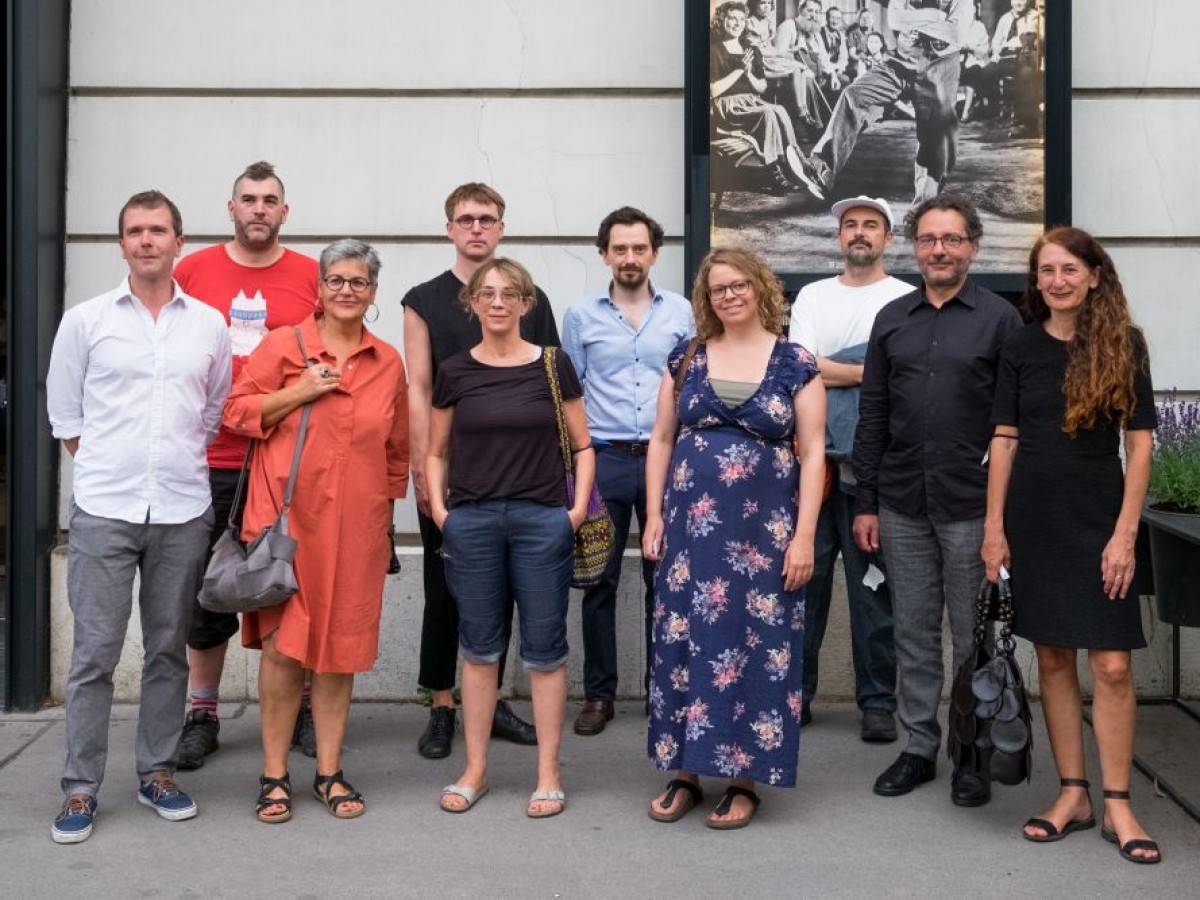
(1064, 517)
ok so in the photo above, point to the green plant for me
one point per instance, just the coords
(1175, 476)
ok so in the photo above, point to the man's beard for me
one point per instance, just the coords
(632, 278)
(862, 255)
(242, 233)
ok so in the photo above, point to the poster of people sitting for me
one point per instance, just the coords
(812, 101)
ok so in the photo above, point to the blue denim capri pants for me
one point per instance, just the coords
(497, 548)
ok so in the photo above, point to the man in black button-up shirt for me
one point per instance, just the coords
(923, 431)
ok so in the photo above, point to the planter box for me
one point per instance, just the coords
(1175, 558)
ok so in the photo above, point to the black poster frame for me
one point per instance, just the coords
(1056, 131)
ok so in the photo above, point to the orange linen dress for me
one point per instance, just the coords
(355, 460)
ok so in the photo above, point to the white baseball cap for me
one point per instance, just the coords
(876, 203)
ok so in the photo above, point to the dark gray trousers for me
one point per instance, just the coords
(932, 566)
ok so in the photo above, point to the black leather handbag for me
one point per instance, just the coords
(990, 732)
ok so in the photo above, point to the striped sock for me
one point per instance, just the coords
(205, 699)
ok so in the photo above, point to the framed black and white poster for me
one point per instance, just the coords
(795, 104)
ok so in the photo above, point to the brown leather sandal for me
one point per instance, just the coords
(265, 801)
(323, 789)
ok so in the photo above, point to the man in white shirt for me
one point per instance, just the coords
(832, 319)
(136, 383)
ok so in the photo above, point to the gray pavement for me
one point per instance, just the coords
(829, 837)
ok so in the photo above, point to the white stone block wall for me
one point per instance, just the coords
(373, 110)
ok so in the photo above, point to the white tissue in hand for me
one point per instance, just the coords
(874, 577)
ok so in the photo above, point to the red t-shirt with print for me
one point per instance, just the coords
(253, 301)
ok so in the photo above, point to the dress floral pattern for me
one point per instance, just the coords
(725, 685)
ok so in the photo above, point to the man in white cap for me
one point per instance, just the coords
(832, 318)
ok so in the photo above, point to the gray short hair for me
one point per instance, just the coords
(351, 248)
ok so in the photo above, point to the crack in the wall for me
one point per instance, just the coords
(1162, 179)
(487, 157)
(1150, 48)
(512, 11)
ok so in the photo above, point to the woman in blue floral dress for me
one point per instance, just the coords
(731, 513)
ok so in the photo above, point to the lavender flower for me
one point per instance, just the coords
(1175, 476)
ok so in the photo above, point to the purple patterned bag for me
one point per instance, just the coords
(596, 538)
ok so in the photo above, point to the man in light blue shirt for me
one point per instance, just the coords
(619, 342)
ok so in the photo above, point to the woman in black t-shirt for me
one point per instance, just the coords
(497, 490)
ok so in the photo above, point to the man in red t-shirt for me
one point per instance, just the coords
(257, 285)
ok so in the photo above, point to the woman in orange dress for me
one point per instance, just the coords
(353, 466)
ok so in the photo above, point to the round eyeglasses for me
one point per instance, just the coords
(468, 222)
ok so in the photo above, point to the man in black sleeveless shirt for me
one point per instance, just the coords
(436, 327)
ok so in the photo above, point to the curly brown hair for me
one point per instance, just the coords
(768, 291)
(1101, 359)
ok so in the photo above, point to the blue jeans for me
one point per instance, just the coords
(871, 640)
(621, 477)
(933, 566)
(500, 548)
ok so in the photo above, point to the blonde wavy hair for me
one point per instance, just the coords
(768, 291)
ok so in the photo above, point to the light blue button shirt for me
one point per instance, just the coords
(621, 368)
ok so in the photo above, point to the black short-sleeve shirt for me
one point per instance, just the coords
(504, 437)
(452, 329)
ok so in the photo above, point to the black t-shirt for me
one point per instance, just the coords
(504, 438)
(452, 329)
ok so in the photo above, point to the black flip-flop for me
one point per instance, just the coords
(726, 804)
(694, 796)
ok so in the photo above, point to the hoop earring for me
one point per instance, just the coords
(371, 307)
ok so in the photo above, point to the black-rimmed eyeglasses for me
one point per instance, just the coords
(468, 222)
(358, 284)
(949, 241)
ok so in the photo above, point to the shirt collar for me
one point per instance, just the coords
(314, 344)
(965, 295)
(655, 294)
(125, 292)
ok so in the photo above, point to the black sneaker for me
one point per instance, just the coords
(199, 739)
(435, 742)
(304, 735)
(508, 726)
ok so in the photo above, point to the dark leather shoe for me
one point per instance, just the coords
(906, 773)
(968, 789)
(878, 726)
(435, 742)
(593, 717)
(507, 726)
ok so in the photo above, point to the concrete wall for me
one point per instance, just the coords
(374, 109)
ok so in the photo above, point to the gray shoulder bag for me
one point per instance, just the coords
(243, 578)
